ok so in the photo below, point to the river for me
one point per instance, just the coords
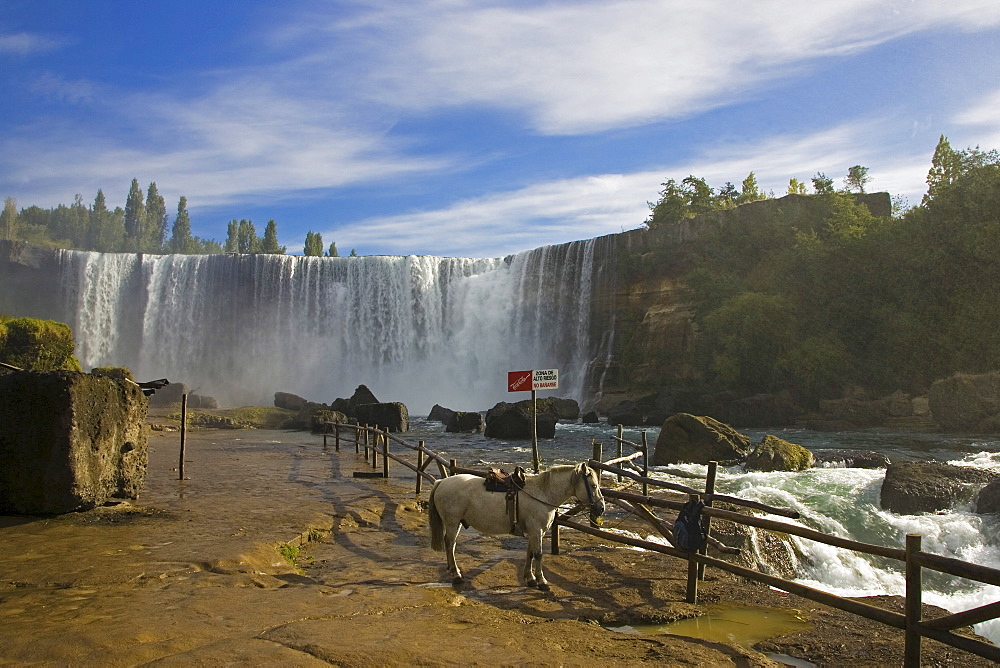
(836, 500)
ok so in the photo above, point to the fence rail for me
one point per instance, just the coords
(375, 442)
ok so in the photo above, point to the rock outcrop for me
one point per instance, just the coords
(441, 414)
(686, 438)
(988, 499)
(388, 416)
(466, 422)
(292, 402)
(926, 487)
(69, 441)
(967, 403)
(568, 409)
(513, 421)
(851, 459)
(776, 454)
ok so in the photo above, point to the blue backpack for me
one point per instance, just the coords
(687, 528)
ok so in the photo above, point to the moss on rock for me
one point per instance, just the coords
(776, 454)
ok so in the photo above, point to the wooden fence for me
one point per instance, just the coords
(375, 443)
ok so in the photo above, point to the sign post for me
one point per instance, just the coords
(534, 380)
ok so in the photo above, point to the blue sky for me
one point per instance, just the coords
(478, 128)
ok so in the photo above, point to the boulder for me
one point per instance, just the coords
(591, 418)
(69, 441)
(168, 395)
(776, 454)
(966, 403)
(389, 416)
(202, 401)
(686, 438)
(926, 487)
(292, 402)
(851, 459)
(325, 415)
(568, 409)
(988, 499)
(462, 422)
(513, 421)
(441, 414)
(362, 396)
(899, 404)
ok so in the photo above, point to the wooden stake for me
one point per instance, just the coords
(184, 421)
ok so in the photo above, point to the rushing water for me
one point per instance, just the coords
(421, 330)
(835, 500)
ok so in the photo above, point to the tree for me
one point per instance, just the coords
(354, 253)
(270, 242)
(154, 227)
(134, 217)
(796, 187)
(314, 244)
(333, 250)
(106, 227)
(728, 194)
(180, 234)
(670, 208)
(8, 219)
(857, 177)
(751, 191)
(247, 240)
(233, 236)
(822, 184)
(699, 195)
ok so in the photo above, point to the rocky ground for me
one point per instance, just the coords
(273, 552)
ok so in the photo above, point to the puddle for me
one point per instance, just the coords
(734, 625)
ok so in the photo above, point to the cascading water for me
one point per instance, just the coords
(420, 330)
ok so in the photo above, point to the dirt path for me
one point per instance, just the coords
(192, 574)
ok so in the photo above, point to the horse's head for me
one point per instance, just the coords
(588, 488)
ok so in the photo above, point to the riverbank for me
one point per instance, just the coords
(193, 573)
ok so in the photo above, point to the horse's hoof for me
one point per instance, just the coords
(543, 586)
(530, 583)
(458, 581)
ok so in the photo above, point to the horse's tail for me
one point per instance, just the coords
(437, 524)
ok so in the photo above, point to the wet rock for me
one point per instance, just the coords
(851, 459)
(292, 402)
(568, 409)
(988, 499)
(926, 487)
(390, 416)
(441, 414)
(169, 395)
(699, 440)
(513, 421)
(465, 422)
(69, 441)
(591, 418)
(202, 401)
(776, 454)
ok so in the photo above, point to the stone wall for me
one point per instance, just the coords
(69, 441)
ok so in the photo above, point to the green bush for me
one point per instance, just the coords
(38, 345)
(116, 372)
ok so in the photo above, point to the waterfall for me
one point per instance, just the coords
(417, 329)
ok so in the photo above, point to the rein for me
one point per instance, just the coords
(586, 485)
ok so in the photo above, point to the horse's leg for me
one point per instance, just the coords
(450, 538)
(533, 576)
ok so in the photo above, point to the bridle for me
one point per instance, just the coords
(595, 509)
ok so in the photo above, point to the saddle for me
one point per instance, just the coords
(498, 480)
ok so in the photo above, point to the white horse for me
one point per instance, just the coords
(463, 500)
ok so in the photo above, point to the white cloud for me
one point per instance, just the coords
(984, 116)
(23, 44)
(587, 66)
(590, 206)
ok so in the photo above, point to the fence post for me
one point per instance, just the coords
(375, 443)
(385, 456)
(420, 466)
(326, 430)
(620, 432)
(645, 464)
(453, 464)
(184, 422)
(357, 439)
(555, 537)
(692, 585)
(706, 521)
(914, 609)
(336, 436)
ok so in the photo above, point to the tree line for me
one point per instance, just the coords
(142, 226)
(692, 195)
(825, 295)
